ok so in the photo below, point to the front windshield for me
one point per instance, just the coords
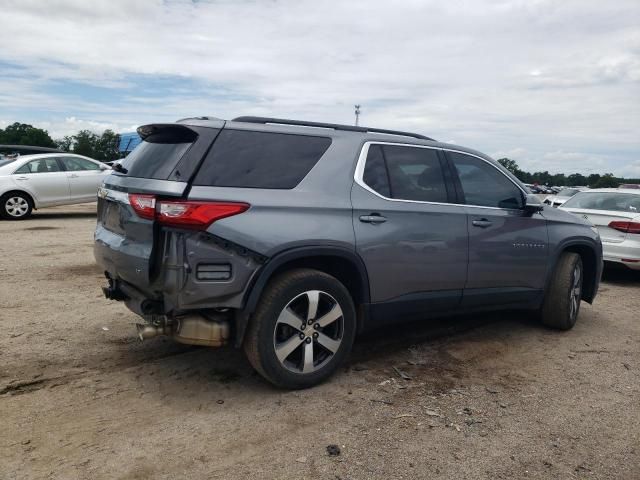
(618, 202)
(568, 192)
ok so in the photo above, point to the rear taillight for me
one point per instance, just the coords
(626, 227)
(196, 214)
(175, 213)
(144, 205)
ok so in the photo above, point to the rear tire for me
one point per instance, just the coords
(564, 293)
(302, 330)
(15, 206)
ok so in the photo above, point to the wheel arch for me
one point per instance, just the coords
(591, 263)
(342, 263)
(30, 197)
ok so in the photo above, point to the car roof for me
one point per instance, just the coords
(613, 190)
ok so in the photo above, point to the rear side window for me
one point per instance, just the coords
(159, 153)
(75, 164)
(250, 159)
(405, 173)
(44, 165)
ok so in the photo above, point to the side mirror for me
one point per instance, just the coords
(104, 167)
(532, 204)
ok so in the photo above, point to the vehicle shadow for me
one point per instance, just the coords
(59, 215)
(620, 275)
(201, 370)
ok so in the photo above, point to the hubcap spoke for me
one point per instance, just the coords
(287, 347)
(308, 358)
(317, 321)
(314, 299)
(288, 317)
(334, 314)
(328, 342)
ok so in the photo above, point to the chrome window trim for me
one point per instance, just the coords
(358, 175)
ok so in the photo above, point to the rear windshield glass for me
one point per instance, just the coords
(158, 154)
(6, 162)
(260, 159)
(567, 192)
(619, 202)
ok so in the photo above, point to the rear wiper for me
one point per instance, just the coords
(119, 168)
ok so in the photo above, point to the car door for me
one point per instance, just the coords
(508, 247)
(84, 176)
(409, 233)
(44, 179)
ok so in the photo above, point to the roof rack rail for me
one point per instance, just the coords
(335, 126)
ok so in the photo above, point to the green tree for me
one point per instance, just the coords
(577, 180)
(607, 181)
(106, 146)
(509, 164)
(24, 134)
(65, 143)
(84, 143)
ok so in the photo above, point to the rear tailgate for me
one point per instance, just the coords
(160, 167)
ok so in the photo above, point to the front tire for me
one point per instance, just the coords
(564, 293)
(302, 330)
(15, 206)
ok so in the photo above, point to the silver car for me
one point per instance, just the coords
(46, 180)
(562, 196)
(616, 214)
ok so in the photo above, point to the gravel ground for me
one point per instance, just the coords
(492, 396)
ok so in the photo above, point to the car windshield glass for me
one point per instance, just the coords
(6, 162)
(618, 202)
(568, 192)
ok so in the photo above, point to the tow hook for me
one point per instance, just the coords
(113, 293)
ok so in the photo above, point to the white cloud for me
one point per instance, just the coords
(543, 76)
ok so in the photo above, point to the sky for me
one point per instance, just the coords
(554, 85)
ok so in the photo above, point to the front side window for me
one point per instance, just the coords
(405, 173)
(43, 165)
(75, 164)
(483, 185)
(618, 202)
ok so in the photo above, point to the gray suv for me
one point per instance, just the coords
(288, 238)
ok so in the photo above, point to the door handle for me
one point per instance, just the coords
(482, 223)
(73, 175)
(22, 178)
(373, 218)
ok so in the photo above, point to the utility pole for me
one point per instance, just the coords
(357, 114)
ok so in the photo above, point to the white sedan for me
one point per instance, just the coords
(616, 214)
(46, 180)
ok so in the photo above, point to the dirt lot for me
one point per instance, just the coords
(488, 397)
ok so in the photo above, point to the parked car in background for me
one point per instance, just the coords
(288, 238)
(31, 182)
(562, 196)
(627, 186)
(616, 214)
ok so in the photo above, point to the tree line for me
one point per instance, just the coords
(594, 180)
(104, 147)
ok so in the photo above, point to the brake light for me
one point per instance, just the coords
(197, 215)
(143, 205)
(626, 227)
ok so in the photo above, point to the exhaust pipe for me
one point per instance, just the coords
(150, 331)
(195, 329)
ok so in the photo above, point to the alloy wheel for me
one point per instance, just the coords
(575, 292)
(308, 332)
